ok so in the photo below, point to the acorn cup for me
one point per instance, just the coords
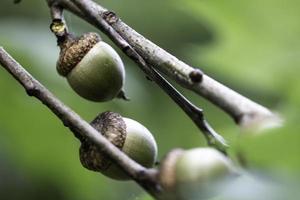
(128, 135)
(93, 68)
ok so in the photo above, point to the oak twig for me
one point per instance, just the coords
(244, 111)
(196, 114)
(144, 177)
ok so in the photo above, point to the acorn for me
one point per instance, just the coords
(93, 68)
(194, 174)
(128, 135)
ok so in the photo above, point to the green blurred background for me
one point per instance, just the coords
(251, 46)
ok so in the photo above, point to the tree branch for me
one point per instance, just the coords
(244, 111)
(144, 177)
(196, 114)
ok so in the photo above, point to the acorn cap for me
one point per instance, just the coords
(167, 176)
(110, 125)
(73, 49)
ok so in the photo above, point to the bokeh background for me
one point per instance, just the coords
(251, 46)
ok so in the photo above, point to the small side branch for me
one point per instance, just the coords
(144, 177)
(195, 114)
(244, 111)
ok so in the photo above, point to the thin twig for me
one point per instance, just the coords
(244, 111)
(190, 109)
(144, 177)
(58, 25)
(55, 10)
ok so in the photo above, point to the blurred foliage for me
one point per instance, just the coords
(252, 46)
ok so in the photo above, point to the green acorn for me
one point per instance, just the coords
(128, 135)
(93, 68)
(192, 174)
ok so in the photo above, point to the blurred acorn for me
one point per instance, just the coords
(192, 174)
